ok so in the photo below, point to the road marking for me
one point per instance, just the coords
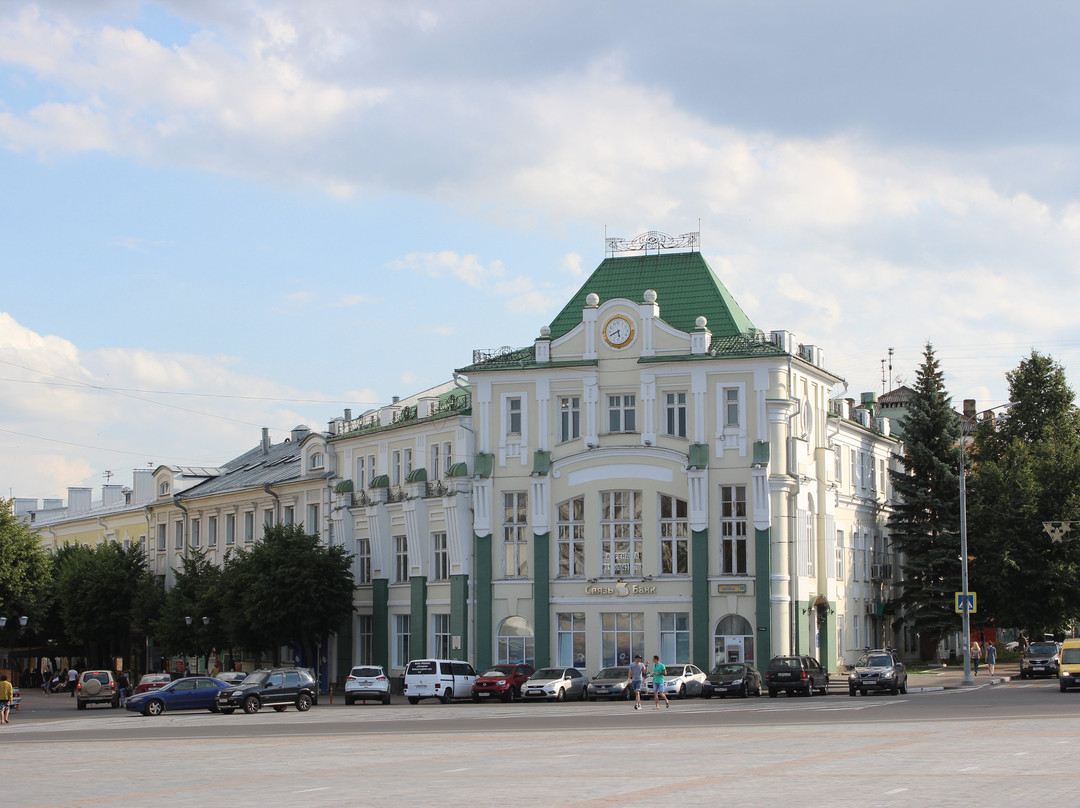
(973, 768)
(895, 791)
(451, 771)
(308, 790)
(1018, 754)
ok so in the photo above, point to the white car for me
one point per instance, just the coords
(367, 682)
(680, 680)
(555, 684)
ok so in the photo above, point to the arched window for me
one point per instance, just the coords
(317, 461)
(516, 643)
(733, 640)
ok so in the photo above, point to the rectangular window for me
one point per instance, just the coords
(569, 418)
(395, 463)
(363, 561)
(161, 538)
(359, 483)
(622, 637)
(448, 456)
(402, 633)
(230, 528)
(515, 537)
(853, 481)
(733, 549)
(434, 469)
(840, 573)
(571, 538)
(178, 536)
(855, 629)
(211, 531)
(513, 416)
(622, 413)
(268, 517)
(674, 537)
(675, 414)
(675, 636)
(249, 527)
(288, 514)
(855, 566)
(570, 639)
(881, 477)
(620, 532)
(195, 537)
(731, 406)
(364, 637)
(370, 468)
(401, 559)
(408, 463)
(440, 568)
(313, 526)
(440, 636)
(873, 472)
(142, 544)
(839, 465)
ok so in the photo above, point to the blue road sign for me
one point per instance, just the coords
(959, 604)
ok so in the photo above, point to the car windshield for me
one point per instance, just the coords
(875, 661)
(613, 673)
(366, 672)
(1042, 648)
(1071, 656)
(548, 673)
(501, 670)
(674, 670)
(723, 670)
(256, 678)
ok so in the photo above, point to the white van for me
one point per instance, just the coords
(442, 679)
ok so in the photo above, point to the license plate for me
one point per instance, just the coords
(783, 676)
(1038, 668)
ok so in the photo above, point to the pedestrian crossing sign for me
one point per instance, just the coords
(959, 605)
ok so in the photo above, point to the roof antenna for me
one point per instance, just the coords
(890, 369)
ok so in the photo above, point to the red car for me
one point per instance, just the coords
(152, 681)
(502, 682)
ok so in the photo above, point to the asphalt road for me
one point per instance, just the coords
(1012, 742)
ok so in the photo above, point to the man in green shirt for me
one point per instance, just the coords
(659, 688)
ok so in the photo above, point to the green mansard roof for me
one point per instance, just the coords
(686, 288)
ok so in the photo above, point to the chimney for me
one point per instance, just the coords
(142, 483)
(79, 500)
(348, 414)
(969, 408)
(265, 440)
(112, 495)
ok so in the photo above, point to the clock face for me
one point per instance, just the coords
(618, 331)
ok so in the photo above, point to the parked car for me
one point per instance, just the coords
(679, 680)
(796, 674)
(876, 670)
(152, 681)
(611, 683)
(367, 682)
(555, 684)
(1070, 665)
(442, 679)
(191, 693)
(1041, 659)
(96, 687)
(732, 679)
(231, 677)
(502, 682)
(279, 688)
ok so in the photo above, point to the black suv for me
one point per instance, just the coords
(796, 674)
(1041, 659)
(880, 669)
(274, 687)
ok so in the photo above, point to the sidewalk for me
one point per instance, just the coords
(946, 678)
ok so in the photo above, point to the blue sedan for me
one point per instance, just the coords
(192, 693)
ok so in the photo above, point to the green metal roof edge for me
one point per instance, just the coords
(371, 430)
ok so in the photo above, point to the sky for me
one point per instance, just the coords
(222, 216)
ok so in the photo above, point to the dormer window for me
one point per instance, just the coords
(163, 489)
(317, 461)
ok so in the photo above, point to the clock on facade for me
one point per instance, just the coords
(618, 331)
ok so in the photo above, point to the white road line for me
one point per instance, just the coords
(451, 771)
(895, 791)
(969, 768)
(309, 790)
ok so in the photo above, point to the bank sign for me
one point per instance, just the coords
(620, 589)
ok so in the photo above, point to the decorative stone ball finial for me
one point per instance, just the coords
(592, 300)
(701, 322)
(650, 295)
(545, 331)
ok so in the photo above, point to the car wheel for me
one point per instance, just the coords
(226, 710)
(895, 690)
(280, 708)
(154, 707)
(252, 705)
(592, 698)
(414, 699)
(386, 698)
(560, 694)
(745, 690)
(705, 695)
(349, 701)
(772, 692)
(852, 692)
(80, 705)
(447, 696)
(628, 694)
(476, 698)
(303, 703)
(903, 689)
(682, 691)
(1061, 684)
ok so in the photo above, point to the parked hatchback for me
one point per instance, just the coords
(679, 680)
(796, 674)
(279, 688)
(96, 687)
(555, 684)
(611, 683)
(1041, 659)
(367, 682)
(732, 679)
(878, 670)
(502, 682)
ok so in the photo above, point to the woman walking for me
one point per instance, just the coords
(991, 657)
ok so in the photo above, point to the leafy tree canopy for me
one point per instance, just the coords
(25, 570)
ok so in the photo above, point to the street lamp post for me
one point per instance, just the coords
(22, 628)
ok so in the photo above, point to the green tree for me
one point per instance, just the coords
(197, 593)
(925, 524)
(288, 589)
(25, 574)
(1027, 472)
(103, 594)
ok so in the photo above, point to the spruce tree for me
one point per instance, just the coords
(924, 527)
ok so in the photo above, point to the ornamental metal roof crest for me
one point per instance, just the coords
(654, 241)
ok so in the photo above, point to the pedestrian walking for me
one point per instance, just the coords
(635, 674)
(976, 655)
(991, 657)
(73, 678)
(45, 679)
(124, 686)
(659, 688)
(7, 694)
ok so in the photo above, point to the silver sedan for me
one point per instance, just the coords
(680, 680)
(555, 684)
